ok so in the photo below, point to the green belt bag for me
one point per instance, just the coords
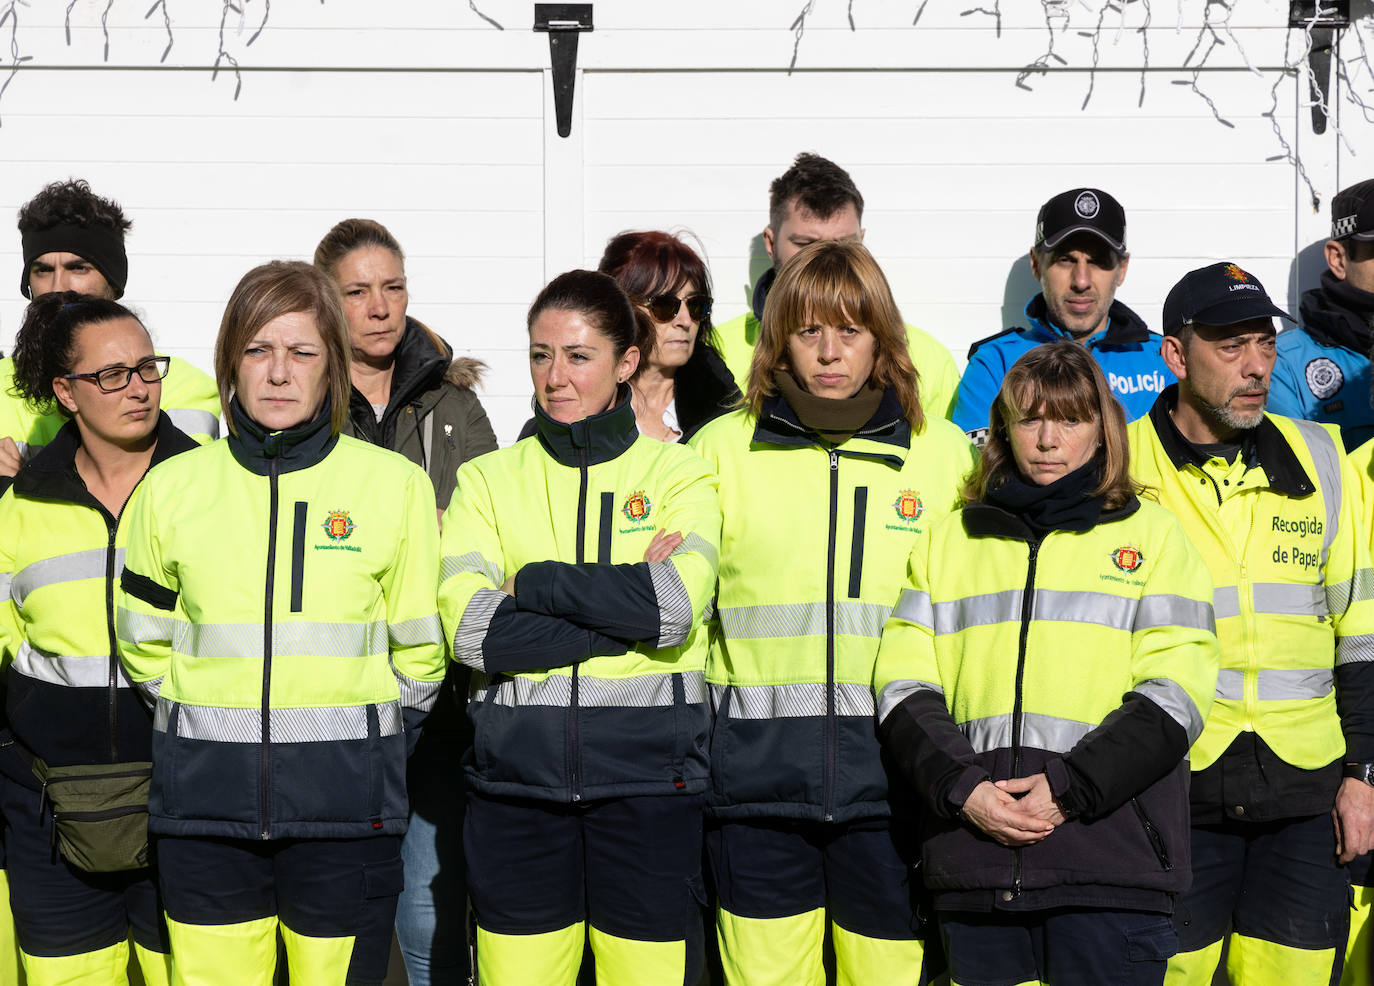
(99, 813)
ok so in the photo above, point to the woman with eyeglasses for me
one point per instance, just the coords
(71, 710)
(681, 382)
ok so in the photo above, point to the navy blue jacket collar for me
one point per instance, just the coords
(52, 475)
(291, 449)
(1124, 327)
(591, 440)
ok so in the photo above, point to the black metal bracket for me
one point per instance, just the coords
(1326, 18)
(563, 22)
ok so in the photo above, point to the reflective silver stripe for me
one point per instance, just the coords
(150, 689)
(288, 639)
(696, 544)
(894, 693)
(1040, 732)
(194, 422)
(73, 567)
(914, 606)
(6, 580)
(1359, 647)
(1226, 601)
(67, 671)
(1173, 699)
(1286, 599)
(646, 691)
(1100, 608)
(216, 725)
(802, 620)
(674, 605)
(416, 694)
(417, 632)
(1160, 610)
(1357, 589)
(977, 611)
(1327, 460)
(708, 611)
(139, 628)
(473, 561)
(472, 627)
(799, 700)
(27, 451)
(1277, 685)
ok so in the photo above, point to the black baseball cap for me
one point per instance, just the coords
(1221, 294)
(1081, 210)
(1352, 212)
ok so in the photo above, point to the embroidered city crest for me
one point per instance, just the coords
(908, 506)
(1324, 378)
(1086, 205)
(1127, 558)
(338, 526)
(1236, 274)
(637, 507)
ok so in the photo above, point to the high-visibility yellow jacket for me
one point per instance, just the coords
(813, 552)
(1281, 532)
(61, 553)
(1087, 655)
(588, 680)
(278, 606)
(189, 397)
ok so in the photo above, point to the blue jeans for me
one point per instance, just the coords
(431, 916)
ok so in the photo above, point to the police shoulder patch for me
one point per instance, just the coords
(1324, 377)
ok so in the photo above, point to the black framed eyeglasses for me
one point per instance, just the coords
(665, 307)
(115, 378)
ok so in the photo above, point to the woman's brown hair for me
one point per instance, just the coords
(835, 282)
(1059, 380)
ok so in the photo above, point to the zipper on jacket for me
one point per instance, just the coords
(829, 794)
(574, 749)
(1027, 605)
(1152, 833)
(265, 757)
(112, 529)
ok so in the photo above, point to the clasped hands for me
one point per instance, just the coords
(1016, 812)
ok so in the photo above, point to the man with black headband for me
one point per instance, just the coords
(1281, 791)
(1323, 371)
(73, 240)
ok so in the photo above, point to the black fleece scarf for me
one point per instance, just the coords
(1347, 296)
(835, 420)
(1067, 504)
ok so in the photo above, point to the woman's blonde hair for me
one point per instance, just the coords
(1058, 380)
(835, 282)
(272, 290)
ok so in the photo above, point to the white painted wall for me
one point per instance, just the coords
(424, 116)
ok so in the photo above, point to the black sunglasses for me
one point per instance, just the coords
(665, 307)
(114, 378)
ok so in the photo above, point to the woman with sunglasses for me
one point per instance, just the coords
(63, 526)
(681, 382)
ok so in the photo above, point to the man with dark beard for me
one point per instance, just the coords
(1281, 796)
(1323, 370)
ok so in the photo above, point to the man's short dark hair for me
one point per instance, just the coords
(816, 184)
(71, 203)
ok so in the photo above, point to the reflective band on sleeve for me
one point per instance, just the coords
(1174, 611)
(1039, 732)
(139, 628)
(977, 611)
(417, 694)
(1359, 647)
(67, 671)
(645, 691)
(1357, 589)
(894, 693)
(799, 700)
(1277, 685)
(6, 582)
(288, 640)
(472, 628)
(417, 632)
(471, 562)
(914, 606)
(150, 689)
(1327, 460)
(1286, 599)
(215, 725)
(696, 544)
(73, 567)
(194, 422)
(674, 605)
(802, 620)
(1173, 699)
(1225, 602)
